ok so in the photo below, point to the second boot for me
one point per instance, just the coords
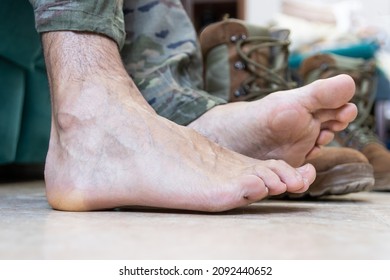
(360, 134)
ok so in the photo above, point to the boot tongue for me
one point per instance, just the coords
(277, 33)
(280, 34)
(255, 30)
(276, 56)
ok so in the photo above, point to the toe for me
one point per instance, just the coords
(328, 93)
(325, 137)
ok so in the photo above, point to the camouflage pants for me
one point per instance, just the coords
(158, 44)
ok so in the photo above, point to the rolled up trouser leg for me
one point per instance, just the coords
(101, 16)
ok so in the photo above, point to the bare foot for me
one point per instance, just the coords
(109, 149)
(288, 125)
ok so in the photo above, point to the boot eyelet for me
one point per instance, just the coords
(241, 91)
(234, 38)
(239, 65)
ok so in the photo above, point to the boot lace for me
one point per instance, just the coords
(358, 136)
(263, 79)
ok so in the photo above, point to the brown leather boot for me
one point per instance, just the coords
(360, 134)
(339, 171)
(244, 62)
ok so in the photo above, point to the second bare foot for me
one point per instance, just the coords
(288, 125)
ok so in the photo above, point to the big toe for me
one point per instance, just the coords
(331, 93)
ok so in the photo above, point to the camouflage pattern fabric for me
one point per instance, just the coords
(160, 49)
(163, 56)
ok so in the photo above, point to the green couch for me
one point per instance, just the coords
(24, 91)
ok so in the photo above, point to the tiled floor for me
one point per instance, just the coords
(354, 226)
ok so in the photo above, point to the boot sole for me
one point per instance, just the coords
(339, 180)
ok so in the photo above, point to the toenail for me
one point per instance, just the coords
(302, 168)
